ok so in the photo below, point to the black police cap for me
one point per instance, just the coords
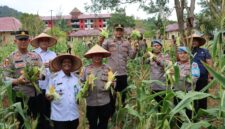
(22, 34)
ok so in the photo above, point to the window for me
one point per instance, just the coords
(91, 20)
(104, 25)
(100, 20)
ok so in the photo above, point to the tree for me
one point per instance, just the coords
(119, 17)
(158, 7)
(180, 6)
(214, 11)
(32, 23)
(62, 23)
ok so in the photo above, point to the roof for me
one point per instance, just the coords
(9, 24)
(83, 33)
(175, 27)
(75, 10)
(128, 30)
(81, 16)
(48, 18)
(92, 16)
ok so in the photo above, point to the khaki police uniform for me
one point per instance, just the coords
(14, 64)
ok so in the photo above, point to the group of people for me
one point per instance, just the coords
(61, 76)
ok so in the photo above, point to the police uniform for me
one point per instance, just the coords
(121, 51)
(158, 72)
(99, 107)
(98, 99)
(185, 71)
(13, 66)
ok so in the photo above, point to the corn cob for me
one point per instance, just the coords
(31, 73)
(111, 78)
(53, 93)
(151, 56)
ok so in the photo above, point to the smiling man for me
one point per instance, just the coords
(43, 42)
(14, 64)
(121, 52)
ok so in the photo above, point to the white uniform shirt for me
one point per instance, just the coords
(46, 56)
(65, 109)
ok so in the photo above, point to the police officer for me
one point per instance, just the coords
(98, 99)
(64, 110)
(42, 42)
(14, 64)
(157, 65)
(187, 70)
(201, 54)
(121, 51)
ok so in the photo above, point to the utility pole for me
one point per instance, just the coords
(51, 21)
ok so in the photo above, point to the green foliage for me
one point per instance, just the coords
(6, 50)
(63, 25)
(119, 17)
(32, 23)
(213, 14)
(5, 11)
(56, 32)
(135, 35)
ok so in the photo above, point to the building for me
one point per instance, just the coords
(173, 29)
(8, 25)
(79, 21)
(84, 35)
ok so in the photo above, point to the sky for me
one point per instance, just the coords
(43, 7)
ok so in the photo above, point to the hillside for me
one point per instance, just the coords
(7, 11)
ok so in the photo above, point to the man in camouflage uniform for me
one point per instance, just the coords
(14, 64)
(121, 51)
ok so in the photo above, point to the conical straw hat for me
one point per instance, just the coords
(52, 40)
(201, 40)
(97, 50)
(57, 62)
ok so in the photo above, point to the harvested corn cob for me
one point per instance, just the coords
(52, 92)
(111, 78)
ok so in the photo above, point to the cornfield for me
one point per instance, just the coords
(141, 110)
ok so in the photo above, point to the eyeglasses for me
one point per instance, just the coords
(23, 39)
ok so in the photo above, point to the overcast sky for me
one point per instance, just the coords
(43, 7)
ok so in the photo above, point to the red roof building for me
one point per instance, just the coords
(79, 21)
